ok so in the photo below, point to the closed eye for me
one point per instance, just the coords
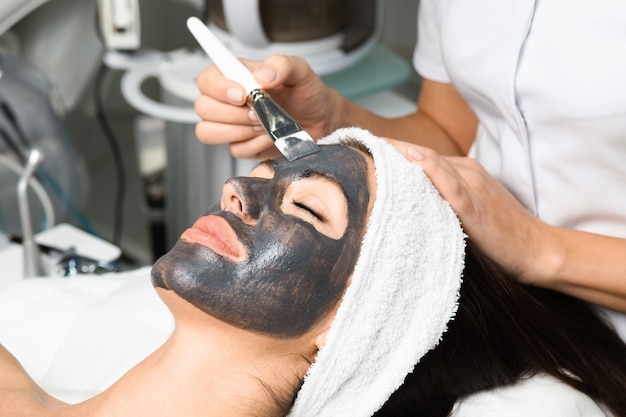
(308, 209)
(319, 201)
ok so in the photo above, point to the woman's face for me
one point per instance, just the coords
(277, 252)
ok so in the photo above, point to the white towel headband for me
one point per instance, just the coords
(402, 294)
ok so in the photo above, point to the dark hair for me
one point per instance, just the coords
(504, 331)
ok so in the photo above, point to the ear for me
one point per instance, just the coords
(320, 340)
(320, 333)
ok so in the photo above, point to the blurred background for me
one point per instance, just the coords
(105, 89)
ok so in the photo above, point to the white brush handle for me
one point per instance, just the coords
(227, 63)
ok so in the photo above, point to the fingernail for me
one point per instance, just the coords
(414, 155)
(265, 74)
(235, 95)
(256, 127)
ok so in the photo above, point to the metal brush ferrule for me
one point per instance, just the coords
(285, 132)
(276, 122)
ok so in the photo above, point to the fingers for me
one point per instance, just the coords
(259, 148)
(225, 117)
(490, 214)
(212, 83)
(223, 123)
(443, 173)
(212, 133)
(282, 71)
(457, 179)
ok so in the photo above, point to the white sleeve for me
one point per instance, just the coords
(427, 58)
(539, 396)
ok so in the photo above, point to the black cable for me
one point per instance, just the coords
(12, 145)
(116, 151)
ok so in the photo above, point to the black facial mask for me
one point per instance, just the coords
(293, 274)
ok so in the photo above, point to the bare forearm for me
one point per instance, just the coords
(443, 120)
(585, 265)
(415, 128)
(588, 266)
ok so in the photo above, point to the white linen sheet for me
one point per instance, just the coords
(76, 336)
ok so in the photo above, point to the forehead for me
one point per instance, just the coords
(343, 164)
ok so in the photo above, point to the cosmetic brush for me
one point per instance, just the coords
(288, 136)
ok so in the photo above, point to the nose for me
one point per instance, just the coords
(237, 200)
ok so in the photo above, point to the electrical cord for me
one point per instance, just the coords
(115, 151)
(12, 145)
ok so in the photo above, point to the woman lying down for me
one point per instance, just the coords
(341, 284)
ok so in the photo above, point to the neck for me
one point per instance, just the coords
(206, 368)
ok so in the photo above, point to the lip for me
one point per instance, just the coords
(215, 233)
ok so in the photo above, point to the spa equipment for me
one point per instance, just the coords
(120, 24)
(365, 74)
(158, 80)
(63, 251)
(33, 265)
(330, 34)
(28, 121)
(335, 37)
(290, 139)
(59, 261)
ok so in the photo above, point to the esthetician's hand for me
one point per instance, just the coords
(289, 80)
(585, 265)
(490, 214)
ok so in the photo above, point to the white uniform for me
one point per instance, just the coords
(539, 396)
(547, 80)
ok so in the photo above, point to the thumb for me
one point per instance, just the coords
(285, 70)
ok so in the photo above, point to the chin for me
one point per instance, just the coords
(157, 276)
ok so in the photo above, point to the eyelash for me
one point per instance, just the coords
(308, 209)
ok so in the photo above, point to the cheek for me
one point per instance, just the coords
(345, 263)
(291, 247)
(185, 265)
(349, 253)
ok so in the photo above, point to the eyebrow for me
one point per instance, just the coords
(308, 173)
(267, 163)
